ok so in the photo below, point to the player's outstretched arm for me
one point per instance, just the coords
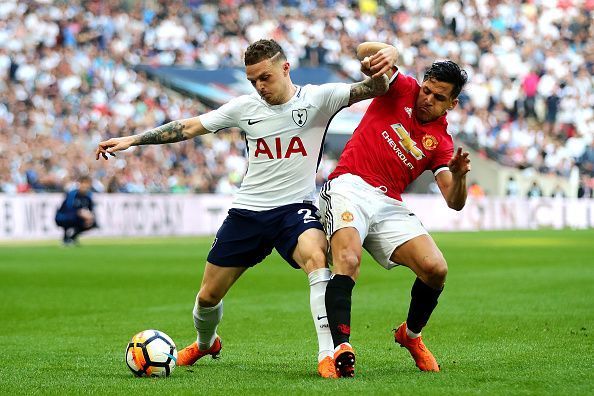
(370, 87)
(452, 184)
(172, 132)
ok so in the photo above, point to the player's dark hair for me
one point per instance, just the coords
(449, 72)
(261, 50)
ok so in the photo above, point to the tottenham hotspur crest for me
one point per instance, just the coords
(300, 116)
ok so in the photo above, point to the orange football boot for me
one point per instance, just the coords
(344, 360)
(422, 356)
(191, 353)
(326, 368)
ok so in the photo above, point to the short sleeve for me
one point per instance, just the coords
(226, 116)
(440, 160)
(330, 98)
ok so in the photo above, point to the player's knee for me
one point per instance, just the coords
(436, 270)
(208, 298)
(346, 262)
(316, 261)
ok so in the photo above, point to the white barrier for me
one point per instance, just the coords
(31, 216)
(496, 213)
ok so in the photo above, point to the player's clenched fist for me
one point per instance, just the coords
(365, 67)
(382, 61)
(112, 145)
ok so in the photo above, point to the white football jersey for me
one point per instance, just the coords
(284, 142)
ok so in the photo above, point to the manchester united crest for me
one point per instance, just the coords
(429, 142)
(347, 216)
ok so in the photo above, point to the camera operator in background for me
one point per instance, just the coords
(75, 215)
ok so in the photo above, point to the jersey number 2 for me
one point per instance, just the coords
(307, 218)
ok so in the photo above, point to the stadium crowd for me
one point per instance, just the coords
(67, 80)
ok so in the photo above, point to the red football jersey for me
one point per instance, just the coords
(390, 147)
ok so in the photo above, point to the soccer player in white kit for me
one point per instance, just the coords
(285, 126)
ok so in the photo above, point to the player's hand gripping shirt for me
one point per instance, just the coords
(284, 142)
(390, 147)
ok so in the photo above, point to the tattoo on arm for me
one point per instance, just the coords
(168, 133)
(368, 88)
(359, 91)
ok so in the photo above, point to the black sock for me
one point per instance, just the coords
(76, 233)
(338, 307)
(422, 303)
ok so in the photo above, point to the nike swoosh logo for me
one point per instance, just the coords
(322, 317)
(251, 122)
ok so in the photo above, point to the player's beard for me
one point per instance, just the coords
(270, 98)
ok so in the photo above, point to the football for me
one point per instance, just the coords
(151, 353)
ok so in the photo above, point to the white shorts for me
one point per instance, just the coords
(383, 223)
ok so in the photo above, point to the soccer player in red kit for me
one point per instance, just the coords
(402, 134)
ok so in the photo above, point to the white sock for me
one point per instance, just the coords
(318, 279)
(206, 320)
(410, 334)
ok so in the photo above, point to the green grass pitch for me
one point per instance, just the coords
(516, 317)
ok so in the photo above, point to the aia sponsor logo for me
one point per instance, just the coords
(264, 149)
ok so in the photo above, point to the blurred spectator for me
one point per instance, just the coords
(475, 190)
(512, 189)
(586, 161)
(586, 187)
(75, 215)
(534, 190)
